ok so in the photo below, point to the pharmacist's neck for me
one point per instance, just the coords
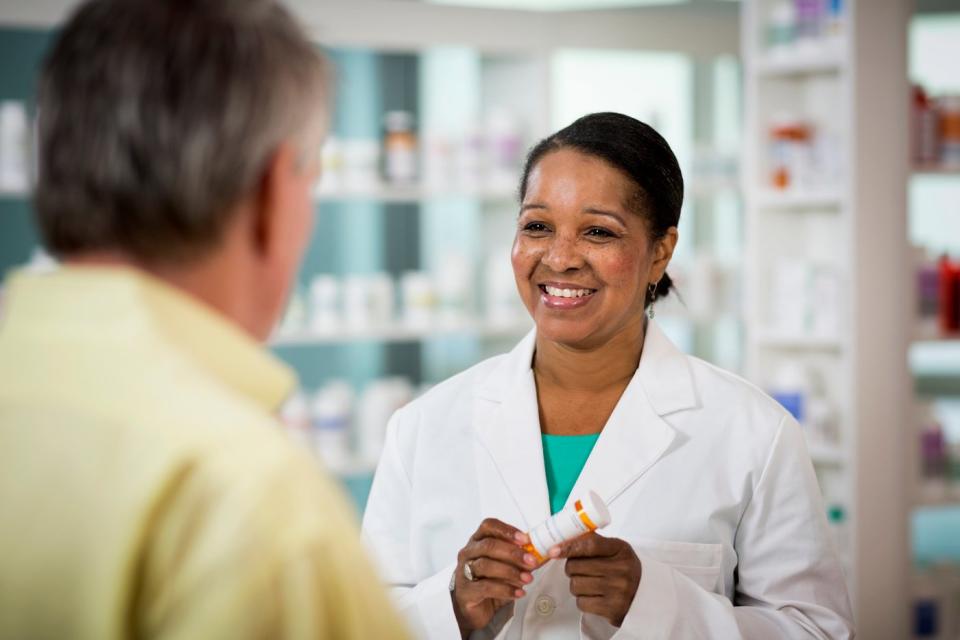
(203, 281)
(594, 369)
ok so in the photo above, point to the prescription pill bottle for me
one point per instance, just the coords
(583, 516)
(950, 130)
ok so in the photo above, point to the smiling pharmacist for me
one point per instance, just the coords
(718, 530)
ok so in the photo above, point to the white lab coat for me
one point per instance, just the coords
(706, 477)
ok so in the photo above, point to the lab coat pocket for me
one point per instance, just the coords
(700, 562)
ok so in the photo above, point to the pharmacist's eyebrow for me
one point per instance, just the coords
(604, 212)
(533, 205)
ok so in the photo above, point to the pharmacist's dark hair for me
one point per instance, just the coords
(156, 117)
(638, 151)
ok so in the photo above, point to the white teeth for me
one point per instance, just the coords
(567, 293)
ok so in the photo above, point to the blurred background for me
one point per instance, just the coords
(820, 238)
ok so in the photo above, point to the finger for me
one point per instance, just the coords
(494, 569)
(596, 605)
(590, 545)
(493, 528)
(590, 567)
(506, 552)
(480, 590)
(588, 586)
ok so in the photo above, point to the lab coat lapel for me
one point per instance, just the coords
(636, 435)
(507, 423)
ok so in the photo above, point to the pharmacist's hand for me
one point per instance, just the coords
(500, 567)
(604, 574)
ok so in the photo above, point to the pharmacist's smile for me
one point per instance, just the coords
(565, 295)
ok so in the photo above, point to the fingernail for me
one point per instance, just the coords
(529, 559)
(519, 593)
(520, 537)
(554, 552)
(526, 577)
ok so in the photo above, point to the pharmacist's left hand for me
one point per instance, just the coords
(604, 574)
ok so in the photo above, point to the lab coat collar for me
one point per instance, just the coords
(635, 437)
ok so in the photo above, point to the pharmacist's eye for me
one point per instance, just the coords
(600, 232)
(535, 228)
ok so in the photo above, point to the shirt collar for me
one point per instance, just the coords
(114, 303)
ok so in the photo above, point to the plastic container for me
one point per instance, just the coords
(791, 387)
(949, 277)
(790, 152)
(380, 400)
(14, 147)
(581, 517)
(331, 419)
(950, 130)
(419, 299)
(780, 26)
(324, 304)
(399, 148)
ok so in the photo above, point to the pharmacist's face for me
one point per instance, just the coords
(582, 257)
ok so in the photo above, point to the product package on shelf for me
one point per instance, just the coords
(935, 130)
(937, 289)
(344, 430)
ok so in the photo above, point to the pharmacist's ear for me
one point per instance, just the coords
(663, 249)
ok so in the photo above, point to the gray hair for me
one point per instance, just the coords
(156, 117)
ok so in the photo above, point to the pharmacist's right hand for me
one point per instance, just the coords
(500, 568)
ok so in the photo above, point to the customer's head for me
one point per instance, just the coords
(600, 204)
(175, 134)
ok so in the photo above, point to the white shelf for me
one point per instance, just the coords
(936, 170)
(942, 495)
(14, 194)
(804, 61)
(789, 200)
(412, 194)
(400, 333)
(420, 193)
(922, 336)
(788, 342)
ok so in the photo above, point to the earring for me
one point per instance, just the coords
(652, 289)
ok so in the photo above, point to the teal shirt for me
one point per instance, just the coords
(563, 459)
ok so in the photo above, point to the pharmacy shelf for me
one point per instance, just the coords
(773, 340)
(801, 62)
(858, 219)
(14, 194)
(936, 170)
(923, 336)
(940, 495)
(413, 194)
(772, 200)
(400, 333)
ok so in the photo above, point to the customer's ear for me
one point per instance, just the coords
(274, 201)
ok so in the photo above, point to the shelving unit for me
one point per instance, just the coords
(795, 200)
(801, 63)
(850, 86)
(398, 332)
(936, 170)
(773, 340)
(412, 194)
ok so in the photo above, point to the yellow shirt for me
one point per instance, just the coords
(145, 487)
